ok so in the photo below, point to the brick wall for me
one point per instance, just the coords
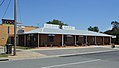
(4, 32)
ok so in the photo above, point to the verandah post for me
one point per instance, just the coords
(38, 40)
(62, 40)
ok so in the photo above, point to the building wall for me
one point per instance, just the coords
(28, 28)
(91, 40)
(4, 32)
(21, 40)
(107, 40)
(57, 40)
(43, 39)
(80, 40)
(99, 40)
(69, 40)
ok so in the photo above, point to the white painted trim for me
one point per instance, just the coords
(62, 40)
(86, 40)
(110, 40)
(95, 40)
(75, 40)
(38, 40)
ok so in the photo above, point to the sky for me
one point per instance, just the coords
(78, 13)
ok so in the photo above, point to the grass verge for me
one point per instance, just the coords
(23, 47)
(3, 55)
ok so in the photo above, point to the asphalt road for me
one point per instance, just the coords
(72, 51)
(95, 60)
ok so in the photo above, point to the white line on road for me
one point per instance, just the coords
(71, 63)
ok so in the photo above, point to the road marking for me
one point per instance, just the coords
(71, 63)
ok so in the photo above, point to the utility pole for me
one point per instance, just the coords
(15, 19)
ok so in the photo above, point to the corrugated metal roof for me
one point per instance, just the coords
(66, 32)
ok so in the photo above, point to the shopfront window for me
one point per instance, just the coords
(51, 38)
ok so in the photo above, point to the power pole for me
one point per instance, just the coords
(15, 19)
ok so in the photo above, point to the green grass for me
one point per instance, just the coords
(3, 55)
(23, 47)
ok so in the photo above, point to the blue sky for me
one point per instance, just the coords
(78, 13)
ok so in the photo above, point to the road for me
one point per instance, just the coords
(73, 51)
(95, 60)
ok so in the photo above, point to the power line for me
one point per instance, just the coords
(6, 9)
(2, 2)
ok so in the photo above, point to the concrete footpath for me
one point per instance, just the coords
(46, 52)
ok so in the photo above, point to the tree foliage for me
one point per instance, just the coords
(95, 29)
(115, 24)
(56, 22)
(114, 30)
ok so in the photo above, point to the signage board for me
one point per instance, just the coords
(51, 26)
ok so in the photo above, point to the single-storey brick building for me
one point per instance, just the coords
(52, 35)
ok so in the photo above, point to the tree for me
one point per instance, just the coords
(90, 28)
(114, 31)
(95, 29)
(57, 22)
(115, 24)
